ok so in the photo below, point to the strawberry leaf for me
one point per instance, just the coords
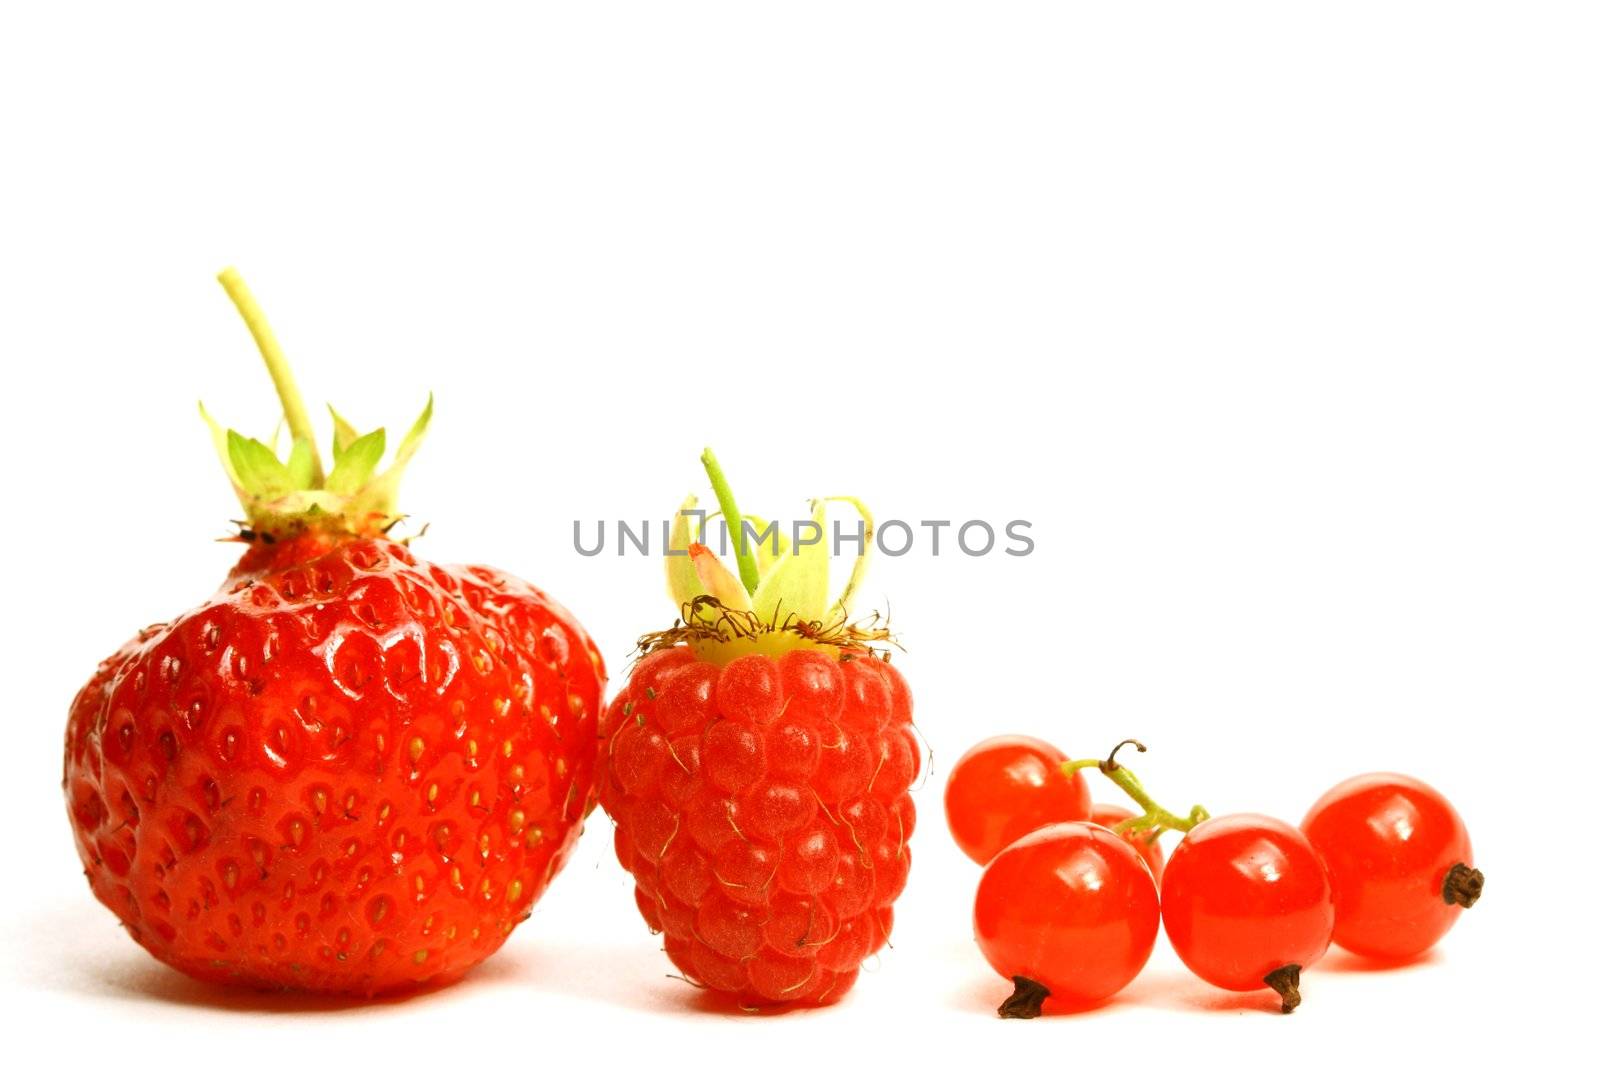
(384, 489)
(356, 463)
(344, 435)
(219, 439)
(259, 472)
(413, 438)
(283, 497)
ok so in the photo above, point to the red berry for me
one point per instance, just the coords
(1246, 903)
(793, 751)
(1399, 861)
(682, 705)
(854, 884)
(790, 833)
(798, 925)
(777, 809)
(1069, 912)
(354, 773)
(749, 689)
(1005, 787)
(733, 756)
(845, 767)
(1147, 845)
(349, 770)
(813, 684)
(867, 704)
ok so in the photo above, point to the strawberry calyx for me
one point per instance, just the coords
(284, 497)
(778, 600)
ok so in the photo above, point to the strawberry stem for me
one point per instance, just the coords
(748, 574)
(294, 408)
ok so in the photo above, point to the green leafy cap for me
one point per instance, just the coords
(282, 496)
(780, 584)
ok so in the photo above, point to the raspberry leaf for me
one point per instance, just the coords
(797, 585)
(791, 588)
(718, 579)
(858, 572)
(769, 552)
(683, 582)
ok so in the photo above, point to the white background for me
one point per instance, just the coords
(1279, 324)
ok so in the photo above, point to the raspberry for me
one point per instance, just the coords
(758, 767)
(762, 807)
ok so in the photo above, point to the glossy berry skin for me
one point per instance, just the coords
(1244, 896)
(1148, 847)
(763, 810)
(1389, 842)
(1007, 786)
(350, 771)
(1070, 906)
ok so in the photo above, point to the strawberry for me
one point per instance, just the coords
(350, 770)
(758, 766)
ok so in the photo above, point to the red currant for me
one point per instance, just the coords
(1246, 903)
(1007, 786)
(1144, 842)
(1068, 912)
(1399, 861)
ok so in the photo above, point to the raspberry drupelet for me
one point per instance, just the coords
(758, 766)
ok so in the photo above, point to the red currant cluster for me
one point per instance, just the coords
(1073, 892)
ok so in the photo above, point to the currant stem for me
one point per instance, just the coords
(1285, 981)
(294, 408)
(1463, 885)
(748, 575)
(1026, 1002)
(1155, 818)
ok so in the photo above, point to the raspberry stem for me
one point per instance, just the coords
(1156, 818)
(748, 574)
(294, 408)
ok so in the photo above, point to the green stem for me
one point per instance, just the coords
(1155, 818)
(748, 574)
(294, 409)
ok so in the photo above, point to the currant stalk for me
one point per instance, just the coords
(1156, 819)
